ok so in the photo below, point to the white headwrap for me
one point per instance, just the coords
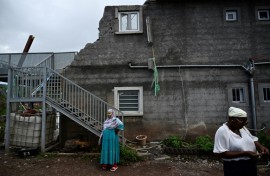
(236, 112)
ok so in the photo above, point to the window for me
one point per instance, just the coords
(264, 94)
(129, 100)
(238, 94)
(129, 21)
(263, 14)
(231, 15)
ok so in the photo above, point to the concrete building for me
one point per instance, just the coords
(209, 55)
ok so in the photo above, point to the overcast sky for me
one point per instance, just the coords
(58, 25)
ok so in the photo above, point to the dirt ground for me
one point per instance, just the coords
(88, 165)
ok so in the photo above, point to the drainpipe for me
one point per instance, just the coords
(250, 68)
(253, 105)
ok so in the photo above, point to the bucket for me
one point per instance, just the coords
(141, 139)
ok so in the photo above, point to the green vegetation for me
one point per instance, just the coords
(205, 143)
(128, 155)
(2, 131)
(2, 111)
(173, 141)
(3, 100)
(264, 139)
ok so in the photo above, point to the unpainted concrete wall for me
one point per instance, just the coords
(192, 101)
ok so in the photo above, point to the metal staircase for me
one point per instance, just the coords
(43, 84)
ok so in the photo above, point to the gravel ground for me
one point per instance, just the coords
(82, 164)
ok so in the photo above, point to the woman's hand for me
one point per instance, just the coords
(252, 155)
(263, 150)
(99, 141)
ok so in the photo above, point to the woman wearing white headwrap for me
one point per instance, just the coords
(110, 152)
(237, 146)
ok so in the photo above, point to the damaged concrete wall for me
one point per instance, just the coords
(192, 101)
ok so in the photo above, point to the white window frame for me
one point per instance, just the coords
(129, 16)
(263, 11)
(245, 100)
(233, 13)
(266, 91)
(140, 106)
(240, 98)
(129, 10)
(261, 87)
(236, 12)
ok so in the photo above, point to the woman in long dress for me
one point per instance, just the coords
(110, 152)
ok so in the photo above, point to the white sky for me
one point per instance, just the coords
(58, 25)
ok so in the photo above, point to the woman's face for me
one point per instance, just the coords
(109, 114)
(239, 122)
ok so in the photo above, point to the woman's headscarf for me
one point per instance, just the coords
(236, 112)
(112, 123)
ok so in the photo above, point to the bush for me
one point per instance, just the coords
(264, 139)
(128, 155)
(205, 143)
(2, 131)
(173, 141)
(2, 101)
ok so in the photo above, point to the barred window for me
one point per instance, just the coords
(129, 100)
(266, 94)
(238, 95)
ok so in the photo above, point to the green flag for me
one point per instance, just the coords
(155, 80)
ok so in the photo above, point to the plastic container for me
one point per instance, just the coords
(25, 131)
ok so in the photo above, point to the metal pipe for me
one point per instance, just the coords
(187, 66)
(262, 63)
(249, 69)
(43, 120)
(194, 66)
(28, 43)
(25, 50)
(8, 111)
(253, 105)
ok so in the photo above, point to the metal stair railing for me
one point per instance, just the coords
(24, 81)
(62, 94)
(4, 64)
(47, 62)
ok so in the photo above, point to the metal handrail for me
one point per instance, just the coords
(6, 64)
(79, 104)
(47, 62)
